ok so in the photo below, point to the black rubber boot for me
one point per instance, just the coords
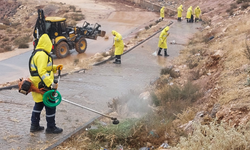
(36, 128)
(115, 62)
(54, 130)
(165, 53)
(159, 52)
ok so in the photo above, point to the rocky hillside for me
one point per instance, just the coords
(18, 17)
(7, 10)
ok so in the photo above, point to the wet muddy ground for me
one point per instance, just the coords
(92, 89)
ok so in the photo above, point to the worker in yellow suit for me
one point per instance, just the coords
(197, 12)
(162, 12)
(42, 76)
(189, 14)
(119, 46)
(163, 41)
(179, 10)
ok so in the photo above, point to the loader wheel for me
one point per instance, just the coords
(81, 45)
(62, 50)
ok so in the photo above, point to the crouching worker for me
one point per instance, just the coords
(42, 77)
(119, 46)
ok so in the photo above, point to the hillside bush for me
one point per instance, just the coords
(21, 40)
(217, 136)
(244, 6)
(23, 45)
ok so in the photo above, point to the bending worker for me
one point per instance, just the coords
(179, 10)
(119, 46)
(197, 12)
(42, 76)
(162, 12)
(189, 14)
(163, 42)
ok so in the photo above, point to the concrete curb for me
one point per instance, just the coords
(77, 131)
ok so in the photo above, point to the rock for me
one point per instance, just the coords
(217, 55)
(215, 110)
(144, 95)
(207, 27)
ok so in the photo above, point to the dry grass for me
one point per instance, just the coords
(216, 136)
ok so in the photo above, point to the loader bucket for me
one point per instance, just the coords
(102, 34)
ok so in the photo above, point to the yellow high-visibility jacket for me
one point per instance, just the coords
(118, 43)
(197, 12)
(163, 38)
(162, 12)
(189, 12)
(179, 9)
(42, 64)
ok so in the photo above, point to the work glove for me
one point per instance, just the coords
(59, 67)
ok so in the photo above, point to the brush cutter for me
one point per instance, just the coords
(52, 98)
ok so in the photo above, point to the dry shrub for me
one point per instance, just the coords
(244, 6)
(170, 71)
(15, 24)
(188, 92)
(21, 40)
(3, 27)
(6, 39)
(192, 62)
(78, 17)
(23, 45)
(247, 52)
(216, 136)
(72, 7)
(233, 6)
(242, 1)
(8, 48)
(9, 30)
(195, 74)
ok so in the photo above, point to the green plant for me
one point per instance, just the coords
(156, 102)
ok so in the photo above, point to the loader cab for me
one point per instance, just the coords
(55, 26)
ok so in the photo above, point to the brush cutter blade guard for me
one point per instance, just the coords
(52, 98)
